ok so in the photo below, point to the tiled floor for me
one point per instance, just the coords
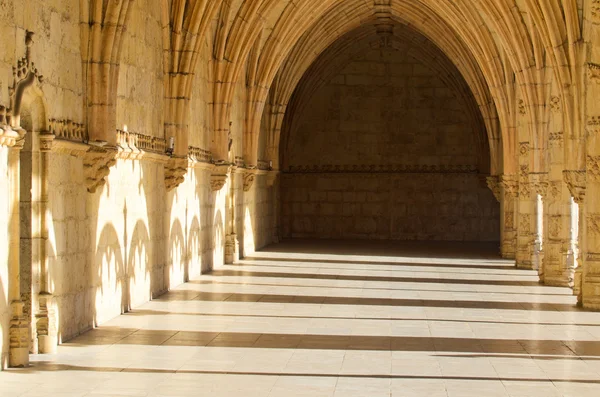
(338, 319)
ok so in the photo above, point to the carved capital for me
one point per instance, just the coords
(538, 183)
(175, 171)
(219, 177)
(249, 178)
(576, 182)
(510, 184)
(493, 183)
(96, 166)
(46, 142)
(8, 137)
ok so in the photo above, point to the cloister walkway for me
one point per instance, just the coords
(333, 318)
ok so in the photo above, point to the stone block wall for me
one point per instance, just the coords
(385, 150)
(449, 207)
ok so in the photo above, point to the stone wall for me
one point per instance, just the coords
(385, 150)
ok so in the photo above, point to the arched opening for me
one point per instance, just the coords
(383, 139)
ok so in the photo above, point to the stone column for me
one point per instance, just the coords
(508, 204)
(539, 190)
(232, 245)
(576, 182)
(526, 222)
(46, 324)
(19, 324)
(559, 247)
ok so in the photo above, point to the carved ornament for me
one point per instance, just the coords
(249, 178)
(593, 223)
(96, 166)
(175, 170)
(554, 226)
(539, 183)
(524, 187)
(68, 129)
(576, 182)
(525, 223)
(555, 104)
(593, 167)
(509, 220)
(594, 69)
(510, 184)
(493, 183)
(522, 108)
(556, 139)
(524, 149)
(218, 177)
(593, 125)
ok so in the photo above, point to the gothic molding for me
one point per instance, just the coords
(219, 176)
(493, 183)
(510, 183)
(96, 166)
(175, 170)
(576, 182)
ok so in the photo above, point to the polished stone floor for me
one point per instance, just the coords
(309, 318)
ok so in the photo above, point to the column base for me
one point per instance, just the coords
(18, 355)
(590, 296)
(47, 336)
(559, 280)
(232, 249)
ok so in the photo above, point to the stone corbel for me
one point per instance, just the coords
(96, 166)
(175, 170)
(249, 177)
(538, 181)
(576, 182)
(510, 183)
(8, 137)
(219, 176)
(272, 178)
(493, 183)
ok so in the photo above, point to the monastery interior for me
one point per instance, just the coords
(395, 164)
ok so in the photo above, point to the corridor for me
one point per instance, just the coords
(338, 318)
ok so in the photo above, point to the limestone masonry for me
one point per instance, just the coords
(146, 142)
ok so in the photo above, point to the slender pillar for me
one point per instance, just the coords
(508, 205)
(46, 324)
(19, 324)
